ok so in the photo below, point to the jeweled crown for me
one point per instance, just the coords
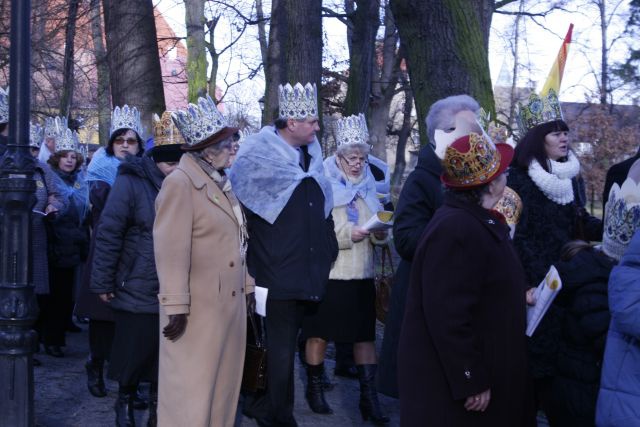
(352, 130)
(538, 110)
(510, 206)
(471, 160)
(36, 134)
(298, 102)
(54, 126)
(621, 218)
(199, 122)
(165, 131)
(126, 118)
(4, 105)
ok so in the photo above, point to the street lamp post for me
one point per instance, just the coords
(18, 308)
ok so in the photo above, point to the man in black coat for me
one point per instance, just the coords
(419, 199)
(616, 175)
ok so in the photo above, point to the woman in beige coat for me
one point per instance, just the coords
(200, 244)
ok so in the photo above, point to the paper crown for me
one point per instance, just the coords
(4, 105)
(36, 134)
(465, 122)
(199, 122)
(165, 131)
(298, 102)
(510, 206)
(352, 130)
(538, 110)
(67, 140)
(126, 118)
(54, 126)
(621, 218)
(474, 160)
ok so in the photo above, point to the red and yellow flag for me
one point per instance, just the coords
(555, 75)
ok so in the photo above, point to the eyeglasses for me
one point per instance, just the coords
(355, 161)
(120, 140)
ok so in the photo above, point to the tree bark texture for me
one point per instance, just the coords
(275, 67)
(196, 53)
(365, 22)
(66, 98)
(102, 68)
(446, 51)
(215, 57)
(134, 62)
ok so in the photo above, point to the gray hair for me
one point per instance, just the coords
(443, 110)
(346, 149)
(213, 149)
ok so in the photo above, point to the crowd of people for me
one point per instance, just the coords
(167, 251)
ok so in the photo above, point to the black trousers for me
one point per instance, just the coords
(57, 306)
(275, 406)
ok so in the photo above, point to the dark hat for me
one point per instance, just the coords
(166, 153)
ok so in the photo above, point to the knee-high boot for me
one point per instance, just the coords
(95, 380)
(369, 404)
(315, 390)
(124, 407)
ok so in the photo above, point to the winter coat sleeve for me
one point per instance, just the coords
(172, 234)
(333, 241)
(54, 197)
(624, 291)
(114, 221)
(343, 228)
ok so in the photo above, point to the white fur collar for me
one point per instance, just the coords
(556, 185)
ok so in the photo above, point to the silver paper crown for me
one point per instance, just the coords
(36, 134)
(199, 122)
(54, 126)
(67, 140)
(298, 102)
(4, 105)
(622, 218)
(126, 118)
(352, 130)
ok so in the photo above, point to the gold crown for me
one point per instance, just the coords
(470, 160)
(538, 110)
(165, 131)
(510, 206)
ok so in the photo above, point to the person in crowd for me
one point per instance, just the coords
(68, 241)
(124, 271)
(347, 311)
(420, 197)
(546, 175)
(584, 271)
(199, 234)
(619, 395)
(124, 140)
(279, 177)
(48, 146)
(616, 175)
(462, 353)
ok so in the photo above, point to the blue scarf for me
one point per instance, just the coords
(103, 167)
(267, 171)
(74, 190)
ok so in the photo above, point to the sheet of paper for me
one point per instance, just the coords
(261, 300)
(544, 295)
(379, 221)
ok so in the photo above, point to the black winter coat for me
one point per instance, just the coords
(292, 257)
(585, 321)
(124, 261)
(419, 199)
(544, 227)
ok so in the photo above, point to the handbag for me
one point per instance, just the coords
(384, 282)
(254, 374)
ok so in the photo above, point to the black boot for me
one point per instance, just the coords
(95, 381)
(139, 401)
(315, 390)
(369, 405)
(124, 407)
(152, 421)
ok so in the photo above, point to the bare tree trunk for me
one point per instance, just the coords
(196, 53)
(262, 33)
(365, 20)
(215, 57)
(604, 54)
(446, 50)
(405, 131)
(104, 91)
(68, 80)
(275, 67)
(134, 62)
(349, 9)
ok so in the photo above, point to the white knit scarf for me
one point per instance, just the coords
(556, 185)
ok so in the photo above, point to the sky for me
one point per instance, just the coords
(537, 51)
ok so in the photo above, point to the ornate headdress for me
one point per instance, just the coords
(510, 206)
(54, 126)
(126, 118)
(352, 130)
(67, 140)
(538, 110)
(199, 122)
(36, 134)
(165, 131)
(4, 105)
(474, 160)
(621, 218)
(298, 102)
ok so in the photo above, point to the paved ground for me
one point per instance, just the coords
(62, 399)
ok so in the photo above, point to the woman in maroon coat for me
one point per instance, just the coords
(462, 353)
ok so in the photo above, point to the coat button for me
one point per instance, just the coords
(231, 264)
(233, 294)
(164, 299)
(467, 374)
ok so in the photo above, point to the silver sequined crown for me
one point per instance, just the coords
(36, 134)
(199, 122)
(621, 218)
(67, 140)
(352, 130)
(53, 126)
(126, 118)
(298, 102)
(4, 105)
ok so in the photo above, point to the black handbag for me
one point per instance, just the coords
(254, 374)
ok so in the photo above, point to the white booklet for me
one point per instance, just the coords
(381, 220)
(544, 295)
(261, 300)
